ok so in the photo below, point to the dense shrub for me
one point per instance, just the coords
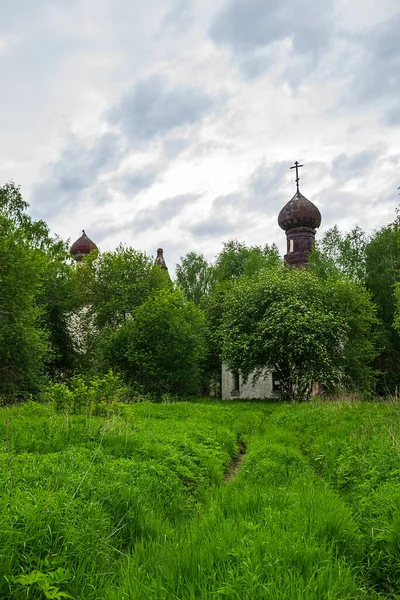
(95, 396)
(161, 348)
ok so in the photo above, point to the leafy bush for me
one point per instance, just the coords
(98, 396)
(161, 348)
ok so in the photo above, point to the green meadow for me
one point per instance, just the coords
(193, 500)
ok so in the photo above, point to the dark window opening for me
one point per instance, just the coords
(236, 384)
(236, 381)
(276, 381)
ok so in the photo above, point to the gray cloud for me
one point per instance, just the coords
(379, 74)
(152, 107)
(78, 169)
(132, 182)
(263, 192)
(374, 74)
(248, 25)
(392, 115)
(358, 205)
(147, 220)
(162, 213)
(211, 227)
(266, 188)
(173, 146)
(80, 166)
(345, 167)
(179, 17)
(262, 195)
(332, 203)
(227, 203)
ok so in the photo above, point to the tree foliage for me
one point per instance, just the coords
(375, 263)
(237, 259)
(194, 275)
(34, 279)
(343, 252)
(115, 283)
(292, 322)
(161, 347)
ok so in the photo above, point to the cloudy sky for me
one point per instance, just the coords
(173, 123)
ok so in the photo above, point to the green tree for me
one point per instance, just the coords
(234, 261)
(161, 347)
(36, 279)
(194, 275)
(383, 280)
(345, 252)
(114, 284)
(237, 259)
(292, 322)
(24, 345)
(374, 262)
(57, 302)
(383, 270)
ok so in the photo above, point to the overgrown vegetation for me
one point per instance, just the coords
(135, 504)
(336, 322)
(304, 328)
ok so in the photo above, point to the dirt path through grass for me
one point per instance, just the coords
(236, 464)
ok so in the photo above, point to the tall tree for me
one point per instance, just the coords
(374, 262)
(24, 345)
(37, 271)
(57, 302)
(345, 252)
(235, 260)
(194, 275)
(382, 279)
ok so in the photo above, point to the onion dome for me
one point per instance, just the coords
(160, 259)
(82, 247)
(299, 212)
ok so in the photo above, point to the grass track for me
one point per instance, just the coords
(135, 506)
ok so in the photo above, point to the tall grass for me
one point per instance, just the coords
(135, 505)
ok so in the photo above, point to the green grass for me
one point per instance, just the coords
(135, 505)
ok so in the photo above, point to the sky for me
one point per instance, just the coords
(174, 123)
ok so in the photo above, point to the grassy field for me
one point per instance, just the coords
(153, 502)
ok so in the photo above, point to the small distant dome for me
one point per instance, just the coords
(299, 212)
(82, 247)
(160, 259)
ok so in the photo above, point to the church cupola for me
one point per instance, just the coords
(82, 247)
(160, 261)
(299, 218)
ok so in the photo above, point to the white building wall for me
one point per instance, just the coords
(262, 388)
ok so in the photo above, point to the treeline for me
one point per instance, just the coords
(335, 322)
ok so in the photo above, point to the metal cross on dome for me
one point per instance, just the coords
(297, 167)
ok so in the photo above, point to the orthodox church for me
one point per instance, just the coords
(299, 218)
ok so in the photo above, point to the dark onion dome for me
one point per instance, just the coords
(82, 247)
(299, 212)
(160, 261)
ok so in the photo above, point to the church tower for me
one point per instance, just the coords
(160, 260)
(299, 218)
(82, 247)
